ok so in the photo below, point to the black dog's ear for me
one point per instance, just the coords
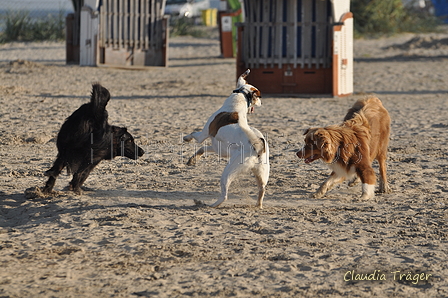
(119, 130)
(306, 131)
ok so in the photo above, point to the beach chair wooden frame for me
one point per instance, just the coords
(296, 47)
(133, 33)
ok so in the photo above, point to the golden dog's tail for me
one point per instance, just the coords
(360, 105)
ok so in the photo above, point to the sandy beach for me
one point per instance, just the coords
(143, 228)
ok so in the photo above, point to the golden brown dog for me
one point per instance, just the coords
(350, 148)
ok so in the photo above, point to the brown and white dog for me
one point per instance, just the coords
(232, 137)
(350, 148)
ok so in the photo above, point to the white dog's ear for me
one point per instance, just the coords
(256, 94)
(242, 79)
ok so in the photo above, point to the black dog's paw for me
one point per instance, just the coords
(85, 188)
(50, 173)
(39, 193)
(78, 190)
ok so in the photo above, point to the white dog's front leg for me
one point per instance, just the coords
(256, 141)
(199, 136)
(188, 137)
(192, 161)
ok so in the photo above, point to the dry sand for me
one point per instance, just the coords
(139, 232)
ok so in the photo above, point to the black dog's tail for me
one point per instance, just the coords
(99, 98)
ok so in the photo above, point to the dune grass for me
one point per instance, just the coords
(375, 18)
(19, 26)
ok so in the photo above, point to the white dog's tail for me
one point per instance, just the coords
(242, 79)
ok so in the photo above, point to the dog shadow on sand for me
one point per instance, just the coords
(34, 207)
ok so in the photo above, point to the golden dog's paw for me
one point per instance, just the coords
(317, 195)
(354, 182)
(384, 189)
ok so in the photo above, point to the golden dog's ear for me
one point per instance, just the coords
(327, 145)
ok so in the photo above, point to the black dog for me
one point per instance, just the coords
(86, 138)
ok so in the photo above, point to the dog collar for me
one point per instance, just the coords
(247, 95)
